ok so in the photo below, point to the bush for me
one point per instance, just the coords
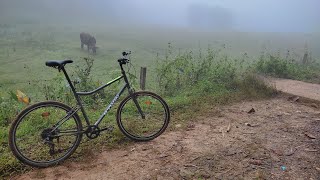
(279, 67)
(209, 74)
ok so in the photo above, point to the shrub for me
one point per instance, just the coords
(209, 73)
(279, 67)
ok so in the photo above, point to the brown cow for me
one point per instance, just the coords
(90, 41)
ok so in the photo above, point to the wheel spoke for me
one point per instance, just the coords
(35, 139)
(153, 122)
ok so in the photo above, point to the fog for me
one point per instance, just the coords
(209, 15)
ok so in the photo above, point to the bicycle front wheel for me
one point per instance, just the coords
(45, 134)
(143, 116)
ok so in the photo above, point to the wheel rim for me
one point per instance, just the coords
(34, 140)
(155, 113)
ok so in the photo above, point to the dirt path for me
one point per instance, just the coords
(299, 88)
(280, 140)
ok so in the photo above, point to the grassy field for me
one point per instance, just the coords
(25, 48)
(186, 67)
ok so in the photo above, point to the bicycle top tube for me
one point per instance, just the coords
(101, 87)
(59, 64)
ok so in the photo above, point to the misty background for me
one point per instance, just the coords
(208, 15)
(33, 31)
(51, 28)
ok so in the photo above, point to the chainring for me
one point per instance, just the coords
(93, 132)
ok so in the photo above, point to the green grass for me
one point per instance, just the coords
(198, 70)
(280, 67)
(25, 48)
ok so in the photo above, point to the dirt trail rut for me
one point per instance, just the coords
(280, 140)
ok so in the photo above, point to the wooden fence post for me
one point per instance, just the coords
(143, 73)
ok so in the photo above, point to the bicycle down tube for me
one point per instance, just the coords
(78, 94)
(116, 97)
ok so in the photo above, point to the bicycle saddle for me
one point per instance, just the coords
(59, 63)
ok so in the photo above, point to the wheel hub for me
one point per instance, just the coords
(47, 134)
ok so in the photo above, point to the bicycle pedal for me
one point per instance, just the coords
(109, 129)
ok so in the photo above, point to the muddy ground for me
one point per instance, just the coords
(280, 140)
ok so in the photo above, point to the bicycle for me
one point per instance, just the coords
(48, 132)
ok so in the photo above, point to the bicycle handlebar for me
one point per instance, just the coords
(124, 60)
(126, 53)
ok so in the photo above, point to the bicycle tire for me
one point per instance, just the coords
(32, 124)
(130, 121)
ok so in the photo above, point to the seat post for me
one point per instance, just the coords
(75, 95)
(70, 83)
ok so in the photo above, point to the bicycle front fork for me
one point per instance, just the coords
(138, 106)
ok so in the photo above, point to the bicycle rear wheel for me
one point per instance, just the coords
(132, 123)
(45, 134)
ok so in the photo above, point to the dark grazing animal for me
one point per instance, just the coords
(90, 41)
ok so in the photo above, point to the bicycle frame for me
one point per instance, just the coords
(80, 106)
(48, 132)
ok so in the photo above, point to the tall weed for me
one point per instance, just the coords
(208, 73)
(280, 67)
